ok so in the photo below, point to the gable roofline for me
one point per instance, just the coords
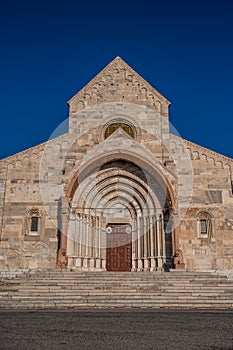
(125, 65)
(38, 147)
(200, 148)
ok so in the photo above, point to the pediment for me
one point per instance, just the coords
(117, 82)
(121, 143)
(119, 134)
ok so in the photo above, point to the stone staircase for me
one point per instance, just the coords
(61, 289)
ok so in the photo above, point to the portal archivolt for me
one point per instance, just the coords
(121, 193)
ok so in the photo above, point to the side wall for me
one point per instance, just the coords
(212, 194)
(20, 195)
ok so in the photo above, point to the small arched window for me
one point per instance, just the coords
(204, 225)
(114, 126)
(33, 222)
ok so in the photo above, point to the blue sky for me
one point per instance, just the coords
(50, 50)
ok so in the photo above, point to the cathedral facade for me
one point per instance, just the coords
(119, 191)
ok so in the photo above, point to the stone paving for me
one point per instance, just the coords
(116, 329)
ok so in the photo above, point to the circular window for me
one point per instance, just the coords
(113, 127)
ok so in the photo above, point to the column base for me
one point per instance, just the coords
(160, 263)
(133, 265)
(153, 266)
(98, 263)
(146, 264)
(92, 263)
(78, 262)
(140, 265)
(104, 264)
(85, 263)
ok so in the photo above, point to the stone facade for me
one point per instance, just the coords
(117, 168)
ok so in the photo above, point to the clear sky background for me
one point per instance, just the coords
(51, 49)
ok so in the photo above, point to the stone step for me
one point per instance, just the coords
(132, 286)
(180, 285)
(123, 288)
(106, 289)
(110, 273)
(113, 298)
(129, 274)
(114, 293)
(154, 300)
(114, 286)
(216, 304)
(72, 289)
(122, 278)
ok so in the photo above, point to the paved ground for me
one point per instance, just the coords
(121, 329)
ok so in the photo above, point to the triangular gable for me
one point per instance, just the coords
(119, 133)
(116, 82)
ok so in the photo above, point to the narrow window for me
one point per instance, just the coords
(34, 223)
(203, 227)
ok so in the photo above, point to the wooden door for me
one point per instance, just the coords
(119, 248)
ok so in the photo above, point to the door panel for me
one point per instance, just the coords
(119, 248)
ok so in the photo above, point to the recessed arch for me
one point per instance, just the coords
(135, 190)
(91, 167)
(131, 182)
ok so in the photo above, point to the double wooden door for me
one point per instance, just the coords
(119, 247)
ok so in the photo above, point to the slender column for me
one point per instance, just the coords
(135, 236)
(139, 237)
(145, 233)
(77, 234)
(83, 234)
(67, 238)
(92, 242)
(75, 239)
(99, 238)
(134, 244)
(87, 236)
(155, 235)
(99, 260)
(159, 243)
(158, 235)
(95, 238)
(146, 247)
(80, 235)
(97, 245)
(78, 241)
(152, 247)
(174, 233)
(86, 232)
(152, 244)
(139, 240)
(103, 243)
(163, 240)
(91, 237)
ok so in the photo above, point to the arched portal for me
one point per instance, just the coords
(112, 197)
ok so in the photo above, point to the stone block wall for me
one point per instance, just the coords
(212, 193)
